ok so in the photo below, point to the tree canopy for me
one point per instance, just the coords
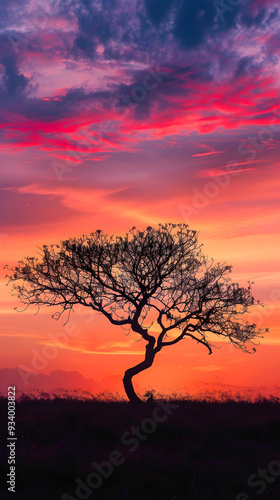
(159, 273)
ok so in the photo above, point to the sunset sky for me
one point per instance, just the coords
(132, 113)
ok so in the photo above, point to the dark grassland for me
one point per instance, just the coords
(203, 450)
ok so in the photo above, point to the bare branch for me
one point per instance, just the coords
(155, 275)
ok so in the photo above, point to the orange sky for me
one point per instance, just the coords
(97, 349)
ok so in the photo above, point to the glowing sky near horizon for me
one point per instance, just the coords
(115, 114)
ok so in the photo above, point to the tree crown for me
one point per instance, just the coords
(159, 272)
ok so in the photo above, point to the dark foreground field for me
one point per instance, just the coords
(199, 450)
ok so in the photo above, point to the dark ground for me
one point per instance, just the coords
(202, 451)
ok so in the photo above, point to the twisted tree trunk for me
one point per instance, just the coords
(131, 372)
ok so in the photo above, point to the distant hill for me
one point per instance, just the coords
(55, 381)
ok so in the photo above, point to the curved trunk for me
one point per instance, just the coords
(127, 380)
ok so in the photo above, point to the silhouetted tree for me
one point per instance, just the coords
(159, 272)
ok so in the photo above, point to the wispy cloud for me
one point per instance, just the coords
(88, 351)
(208, 368)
